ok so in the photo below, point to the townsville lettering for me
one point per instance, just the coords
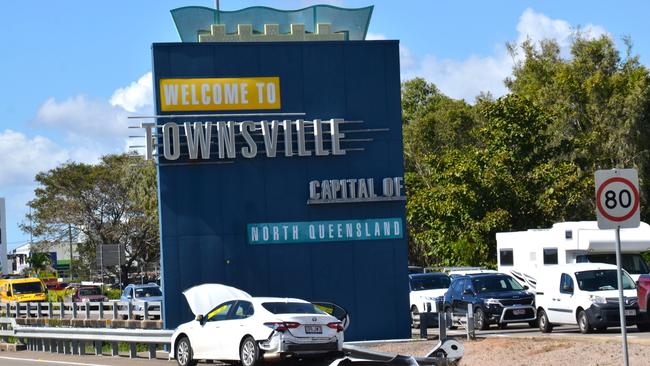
(242, 138)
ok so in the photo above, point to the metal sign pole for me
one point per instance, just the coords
(621, 305)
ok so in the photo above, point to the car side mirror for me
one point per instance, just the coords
(199, 318)
(468, 292)
(526, 287)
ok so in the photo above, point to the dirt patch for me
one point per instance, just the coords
(534, 352)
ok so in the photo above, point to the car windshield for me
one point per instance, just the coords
(147, 292)
(495, 284)
(420, 283)
(291, 308)
(632, 263)
(602, 280)
(27, 288)
(90, 291)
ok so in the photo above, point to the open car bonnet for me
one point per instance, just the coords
(203, 298)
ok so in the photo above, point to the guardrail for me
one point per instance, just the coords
(74, 340)
(83, 310)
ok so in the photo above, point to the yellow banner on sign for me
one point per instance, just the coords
(219, 94)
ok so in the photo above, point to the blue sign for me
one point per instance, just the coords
(323, 231)
(253, 139)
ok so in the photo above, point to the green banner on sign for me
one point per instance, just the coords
(324, 231)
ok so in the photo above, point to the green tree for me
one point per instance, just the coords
(39, 261)
(599, 103)
(112, 202)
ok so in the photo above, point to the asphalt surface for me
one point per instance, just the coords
(28, 358)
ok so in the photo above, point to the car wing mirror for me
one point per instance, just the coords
(526, 287)
(199, 318)
(336, 311)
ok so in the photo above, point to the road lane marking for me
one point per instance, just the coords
(48, 361)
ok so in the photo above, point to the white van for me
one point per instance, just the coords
(523, 254)
(585, 294)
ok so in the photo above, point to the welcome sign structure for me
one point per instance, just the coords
(280, 172)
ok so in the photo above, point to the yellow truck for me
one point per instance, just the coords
(22, 290)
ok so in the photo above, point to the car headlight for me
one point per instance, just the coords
(492, 302)
(597, 299)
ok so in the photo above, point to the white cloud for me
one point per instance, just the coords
(94, 127)
(466, 79)
(79, 115)
(136, 96)
(537, 27)
(21, 157)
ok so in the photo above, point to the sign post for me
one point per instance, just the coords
(617, 206)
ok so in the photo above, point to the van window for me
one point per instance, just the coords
(550, 256)
(566, 284)
(505, 257)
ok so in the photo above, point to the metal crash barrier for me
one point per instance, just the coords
(83, 310)
(74, 340)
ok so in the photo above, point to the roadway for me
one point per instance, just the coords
(30, 358)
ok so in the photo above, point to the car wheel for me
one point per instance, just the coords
(248, 352)
(533, 324)
(583, 323)
(184, 353)
(601, 329)
(415, 317)
(450, 318)
(479, 320)
(544, 325)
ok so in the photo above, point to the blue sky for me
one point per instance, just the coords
(72, 71)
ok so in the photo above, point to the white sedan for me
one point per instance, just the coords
(231, 325)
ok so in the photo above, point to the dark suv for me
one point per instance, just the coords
(496, 299)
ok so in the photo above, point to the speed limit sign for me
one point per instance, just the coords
(617, 198)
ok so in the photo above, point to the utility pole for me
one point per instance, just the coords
(70, 239)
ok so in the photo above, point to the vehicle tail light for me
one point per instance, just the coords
(336, 325)
(282, 326)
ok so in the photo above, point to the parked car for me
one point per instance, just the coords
(231, 325)
(426, 289)
(585, 294)
(88, 294)
(496, 298)
(643, 294)
(139, 294)
(145, 292)
(26, 289)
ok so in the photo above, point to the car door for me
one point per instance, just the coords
(458, 304)
(207, 342)
(236, 326)
(560, 309)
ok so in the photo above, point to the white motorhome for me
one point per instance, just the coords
(523, 254)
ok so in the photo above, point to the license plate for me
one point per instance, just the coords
(313, 329)
(630, 312)
(519, 311)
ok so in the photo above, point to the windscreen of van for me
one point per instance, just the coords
(602, 280)
(632, 263)
(27, 288)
